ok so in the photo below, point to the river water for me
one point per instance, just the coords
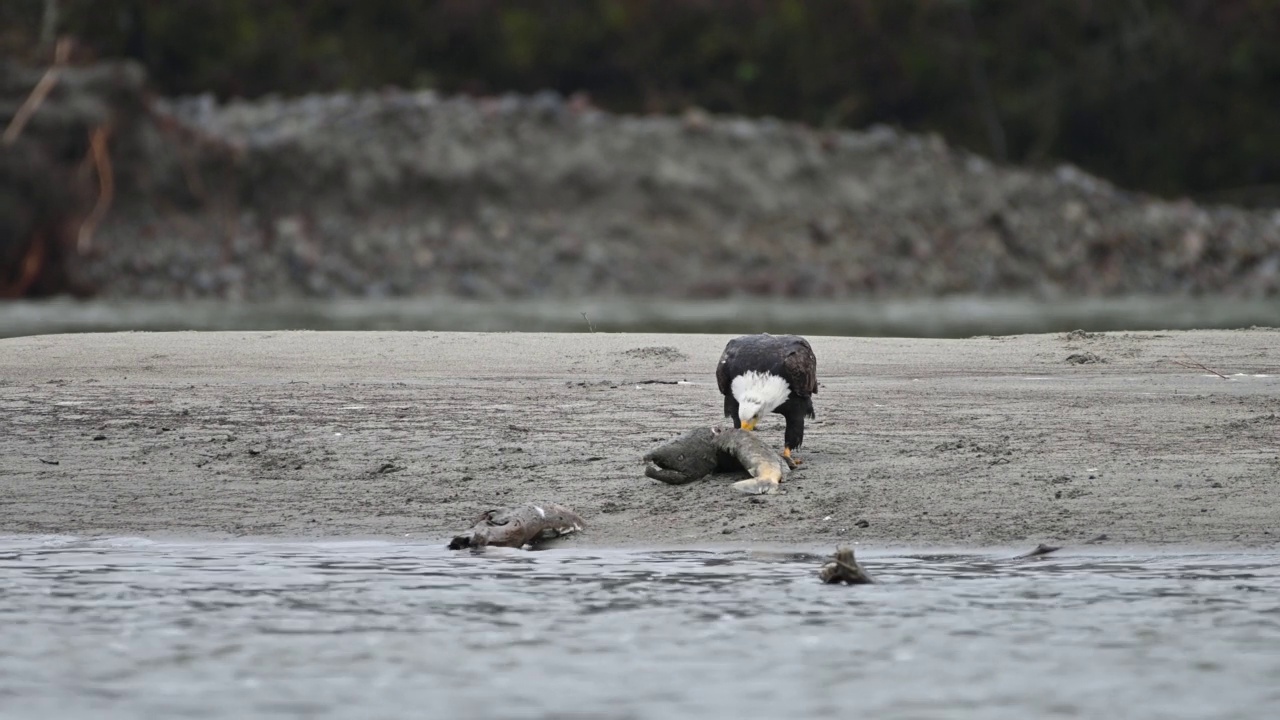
(135, 628)
(926, 317)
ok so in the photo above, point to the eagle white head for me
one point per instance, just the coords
(757, 394)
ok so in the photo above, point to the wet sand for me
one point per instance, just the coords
(918, 443)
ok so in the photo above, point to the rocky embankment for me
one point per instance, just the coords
(391, 194)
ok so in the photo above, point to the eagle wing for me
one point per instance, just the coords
(801, 368)
(722, 368)
(797, 363)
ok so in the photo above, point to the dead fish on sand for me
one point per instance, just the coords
(844, 568)
(519, 527)
(706, 450)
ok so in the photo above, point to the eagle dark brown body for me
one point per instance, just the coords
(789, 358)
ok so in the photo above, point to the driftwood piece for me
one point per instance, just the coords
(706, 450)
(844, 568)
(1039, 550)
(519, 527)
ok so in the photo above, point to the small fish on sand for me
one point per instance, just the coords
(519, 527)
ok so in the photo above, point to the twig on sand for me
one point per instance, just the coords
(38, 93)
(1199, 366)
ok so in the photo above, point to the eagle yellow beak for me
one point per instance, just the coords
(749, 424)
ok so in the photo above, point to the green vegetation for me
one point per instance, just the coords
(1170, 96)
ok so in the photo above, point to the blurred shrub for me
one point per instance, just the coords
(1172, 96)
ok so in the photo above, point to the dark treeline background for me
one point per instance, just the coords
(1170, 96)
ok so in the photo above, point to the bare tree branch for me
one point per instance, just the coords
(38, 93)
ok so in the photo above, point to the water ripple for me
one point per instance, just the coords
(127, 628)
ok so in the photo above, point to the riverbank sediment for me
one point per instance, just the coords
(983, 441)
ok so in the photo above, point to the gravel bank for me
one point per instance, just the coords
(401, 194)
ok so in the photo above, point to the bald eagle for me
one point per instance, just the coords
(765, 373)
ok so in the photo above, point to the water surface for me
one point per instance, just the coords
(926, 317)
(134, 628)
